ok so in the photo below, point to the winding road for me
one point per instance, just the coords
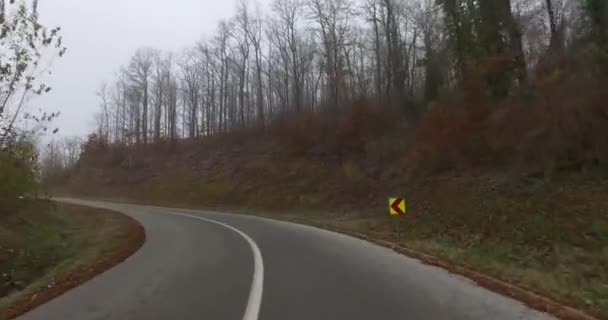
(205, 265)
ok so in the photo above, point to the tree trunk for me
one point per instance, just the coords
(145, 115)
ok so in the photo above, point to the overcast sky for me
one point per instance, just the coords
(101, 35)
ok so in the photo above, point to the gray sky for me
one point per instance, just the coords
(101, 35)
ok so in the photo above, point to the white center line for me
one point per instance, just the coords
(255, 295)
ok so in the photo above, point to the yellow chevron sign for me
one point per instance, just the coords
(397, 206)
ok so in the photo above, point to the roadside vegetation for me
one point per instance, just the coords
(33, 240)
(489, 117)
(45, 249)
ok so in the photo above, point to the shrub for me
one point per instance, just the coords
(336, 132)
(448, 138)
(559, 121)
(18, 173)
(300, 133)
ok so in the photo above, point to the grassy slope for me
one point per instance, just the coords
(48, 248)
(550, 238)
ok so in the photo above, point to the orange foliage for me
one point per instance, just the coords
(452, 137)
(560, 120)
(338, 132)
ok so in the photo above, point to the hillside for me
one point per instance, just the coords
(547, 235)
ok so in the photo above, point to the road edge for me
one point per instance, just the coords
(135, 237)
(533, 300)
(529, 298)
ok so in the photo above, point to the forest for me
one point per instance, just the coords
(323, 55)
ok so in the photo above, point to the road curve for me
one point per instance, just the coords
(204, 265)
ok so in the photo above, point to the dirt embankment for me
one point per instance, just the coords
(47, 249)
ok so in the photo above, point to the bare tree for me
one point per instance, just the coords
(223, 55)
(289, 44)
(119, 102)
(332, 18)
(243, 40)
(372, 12)
(208, 69)
(71, 149)
(254, 33)
(191, 87)
(158, 93)
(140, 73)
(104, 121)
(171, 97)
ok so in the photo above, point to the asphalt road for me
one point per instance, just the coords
(203, 265)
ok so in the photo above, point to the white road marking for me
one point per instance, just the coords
(255, 295)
